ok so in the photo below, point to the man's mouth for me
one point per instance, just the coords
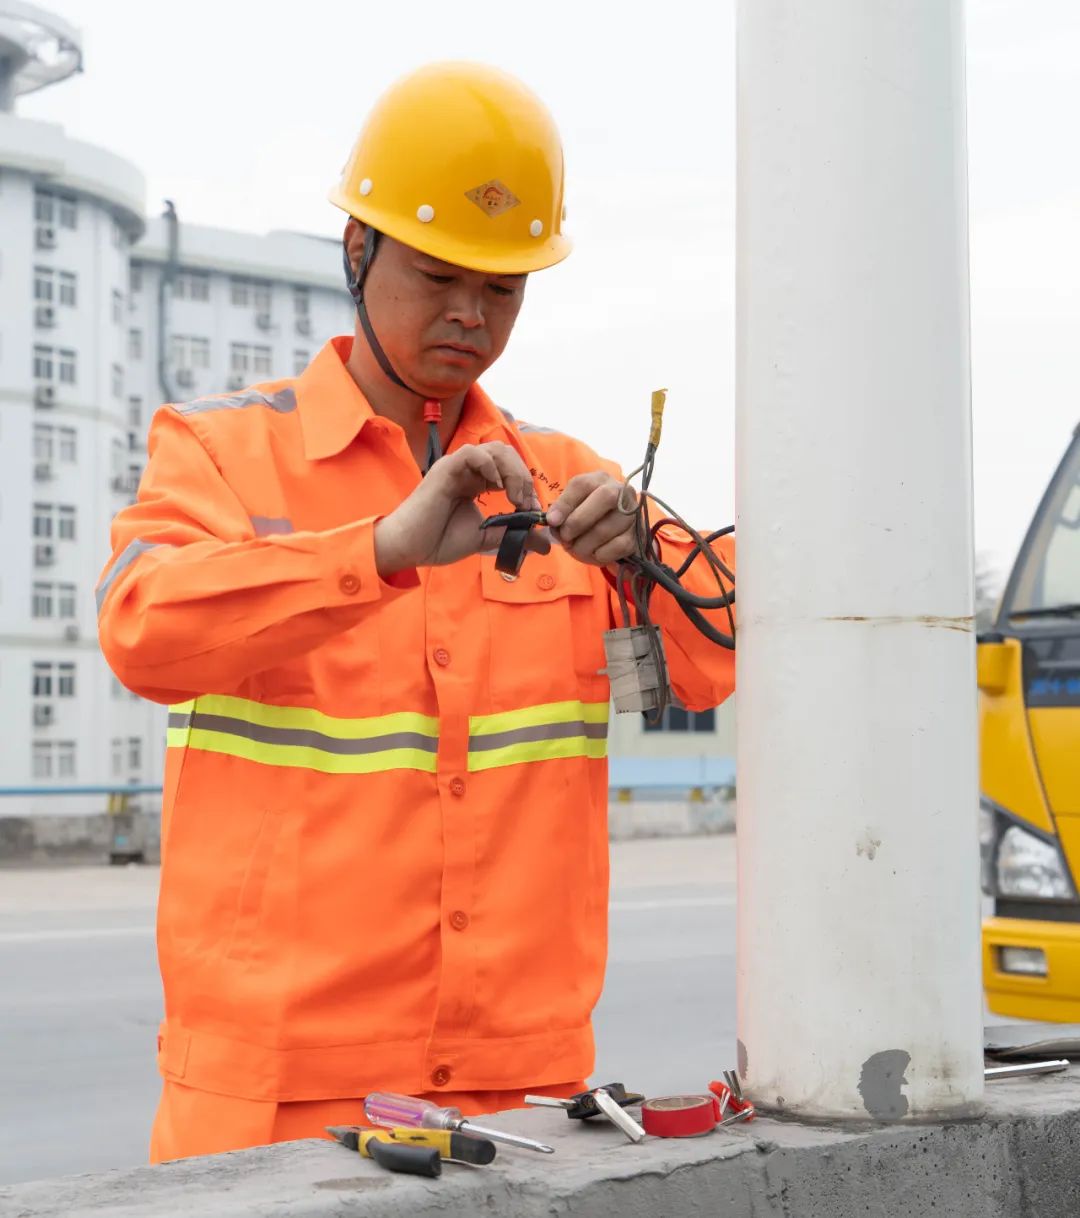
(460, 348)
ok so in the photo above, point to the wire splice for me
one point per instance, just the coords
(637, 667)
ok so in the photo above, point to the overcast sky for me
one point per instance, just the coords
(244, 117)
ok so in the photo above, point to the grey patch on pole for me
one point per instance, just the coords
(868, 844)
(880, 1082)
(741, 1059)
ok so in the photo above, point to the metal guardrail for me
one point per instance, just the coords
(113, 790)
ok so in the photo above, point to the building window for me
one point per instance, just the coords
(119, 236)
(117, 306)
(262, 297)
(65, 522)
(135, 277)
(66, 363)
(135, 344)
(135, 412)
(42, 754)
(250, 357)
(43, 680)
(302, 301)
(118, 457)
(117, 381)
(190, 352)
(42, 600)
(43, 442)
(69, 211)
(43, 521)
(261, 358)
(240, 292)
(66, 600)
(191, 285)
(68, 288)
(300, 361)
(117, 756)
(68, 444)
(134, 753)
(65, 759)
(43, 207)
(43, 363)
(675, 719)
(65, 680)
(43, 284)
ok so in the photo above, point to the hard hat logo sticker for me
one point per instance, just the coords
(493, 198)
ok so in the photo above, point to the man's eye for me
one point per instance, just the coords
(499, 290)
(438, 278)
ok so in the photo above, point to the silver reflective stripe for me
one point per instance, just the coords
(304, 737)
(527, 428)
(283, 402)
(265, 525)
(542, 731)
(124, 560)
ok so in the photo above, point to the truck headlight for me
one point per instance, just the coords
(987, 838)
(1029, 867)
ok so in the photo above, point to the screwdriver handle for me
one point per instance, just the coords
(387, 1109)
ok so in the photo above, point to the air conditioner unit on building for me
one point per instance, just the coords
(43, 714)
(44, 555)
(43, 471)
(46, 237)
(185, 378)
(264, 320)
(236, 381)
(71, 634)
(303, 326)
(44, 394)
(45, 317)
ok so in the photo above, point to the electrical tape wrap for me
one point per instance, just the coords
(680, 1116)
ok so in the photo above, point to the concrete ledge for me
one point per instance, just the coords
(90, 838)
(1016, 1162)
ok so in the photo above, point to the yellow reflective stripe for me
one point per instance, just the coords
(536, 716)
(537, 750)
(307, 758)
(262, 714)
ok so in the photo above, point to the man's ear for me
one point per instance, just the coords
(355, 236)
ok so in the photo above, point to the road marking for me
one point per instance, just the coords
(75, 932)
(673, 903)
(58, 935)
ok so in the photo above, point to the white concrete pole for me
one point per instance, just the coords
(858, 923)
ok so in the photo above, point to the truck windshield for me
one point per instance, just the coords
(1046, 581)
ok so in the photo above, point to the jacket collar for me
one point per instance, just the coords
(334, 411)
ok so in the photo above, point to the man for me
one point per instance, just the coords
(384, 838)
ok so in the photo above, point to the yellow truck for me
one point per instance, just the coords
(1029, 726)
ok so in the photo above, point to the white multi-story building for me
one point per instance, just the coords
(103, 316)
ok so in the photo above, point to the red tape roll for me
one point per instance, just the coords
(680, 1116)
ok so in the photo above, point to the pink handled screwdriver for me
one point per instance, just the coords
(383, 1108)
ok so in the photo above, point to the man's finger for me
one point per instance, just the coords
(578, 489)
(601, 502)
(516, 479)
(610, 526)
(612, 551)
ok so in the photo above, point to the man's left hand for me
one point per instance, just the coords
(587, 523)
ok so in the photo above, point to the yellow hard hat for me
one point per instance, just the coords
(463, 162)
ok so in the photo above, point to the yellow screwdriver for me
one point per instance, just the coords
(417, 1152)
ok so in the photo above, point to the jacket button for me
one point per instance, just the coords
(349, 584)
(457, 786)
(441, 1076)
(459, 919)
(545, 581)
(442, 657)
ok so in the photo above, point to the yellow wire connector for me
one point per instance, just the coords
(659, 397)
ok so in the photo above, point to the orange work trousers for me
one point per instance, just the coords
(191, 1122)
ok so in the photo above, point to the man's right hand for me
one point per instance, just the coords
(439, 523)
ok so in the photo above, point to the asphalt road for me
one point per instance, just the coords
(80, 998)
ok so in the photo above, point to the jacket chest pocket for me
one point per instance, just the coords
(546, 629)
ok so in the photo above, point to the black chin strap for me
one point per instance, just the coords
(355, 284)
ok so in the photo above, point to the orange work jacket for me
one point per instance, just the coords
(384, 825)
